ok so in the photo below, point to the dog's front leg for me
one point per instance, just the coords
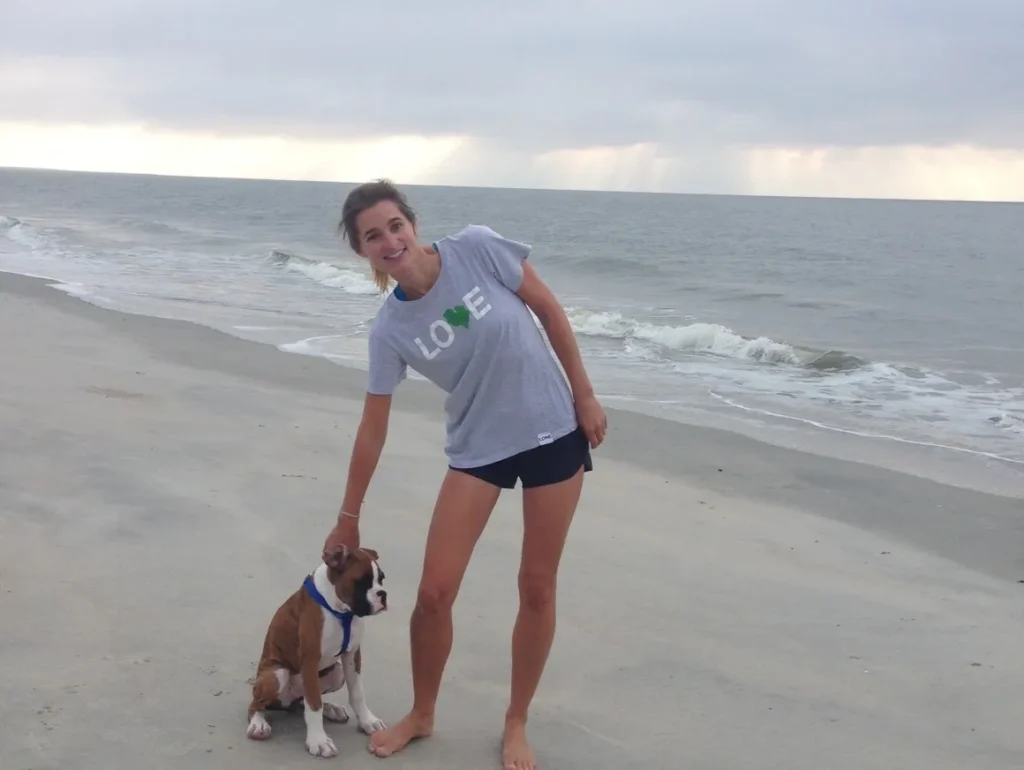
(318, 741)
(368, 723)
(333, 681)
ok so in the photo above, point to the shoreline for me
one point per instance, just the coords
(896, 503)
(164, 487)
(950, 464)
(787, 412)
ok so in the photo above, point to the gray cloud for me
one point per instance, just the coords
(532, 76)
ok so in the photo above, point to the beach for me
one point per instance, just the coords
(723, 603)
(880, 332)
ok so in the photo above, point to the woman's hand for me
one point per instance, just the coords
(592, 419)
(345, 532)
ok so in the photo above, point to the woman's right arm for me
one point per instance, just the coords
(366, 450)
(386, 371)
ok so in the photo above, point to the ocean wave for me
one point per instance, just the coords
(918, 403)
(25, 234)
(325, 273)
(868, 434)
(1009, 422)
(713, 339)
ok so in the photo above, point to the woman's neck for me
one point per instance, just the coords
(424, 276)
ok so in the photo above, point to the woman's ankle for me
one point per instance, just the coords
(515, 716)
(422, 714)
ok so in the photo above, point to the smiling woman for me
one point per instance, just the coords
(399, 213)
(460, 315)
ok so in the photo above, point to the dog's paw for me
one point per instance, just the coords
(370, 724)
(259, 728)
(321, 745)
(335, 713)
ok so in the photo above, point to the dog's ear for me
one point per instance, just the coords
(336, 556)
(371, 553)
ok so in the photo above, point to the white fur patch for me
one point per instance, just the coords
(332, 634)
(373, 596)
(318, 742)
(259, 727)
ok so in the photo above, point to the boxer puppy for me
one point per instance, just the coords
(313, 647)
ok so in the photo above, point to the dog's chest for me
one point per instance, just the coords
(333, 635)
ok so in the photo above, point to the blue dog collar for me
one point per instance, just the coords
(345, 618)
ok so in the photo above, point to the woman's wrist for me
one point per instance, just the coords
(583, 392)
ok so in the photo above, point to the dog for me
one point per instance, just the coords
(313, 647)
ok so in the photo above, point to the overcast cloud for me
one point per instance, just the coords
(531, 76)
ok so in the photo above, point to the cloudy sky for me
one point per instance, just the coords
(892, 98)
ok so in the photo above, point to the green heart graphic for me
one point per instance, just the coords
(457, 316)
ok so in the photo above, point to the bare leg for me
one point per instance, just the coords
(547, 514)
(463, 508)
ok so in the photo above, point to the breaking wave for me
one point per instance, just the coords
(713, 339)
(21, 232)
(325, 273)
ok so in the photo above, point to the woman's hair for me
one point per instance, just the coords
(367, 196)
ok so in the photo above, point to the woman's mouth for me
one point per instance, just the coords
(396, 255)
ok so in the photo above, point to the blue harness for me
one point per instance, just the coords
(345, 618)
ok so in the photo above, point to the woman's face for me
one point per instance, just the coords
(386, 237)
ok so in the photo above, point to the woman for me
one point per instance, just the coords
(459, 315)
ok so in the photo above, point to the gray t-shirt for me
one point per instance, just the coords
(473, 337)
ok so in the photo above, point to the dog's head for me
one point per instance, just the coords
(357, 578)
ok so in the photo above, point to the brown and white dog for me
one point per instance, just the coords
(313, 647)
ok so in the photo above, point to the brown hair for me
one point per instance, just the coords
(364, 197)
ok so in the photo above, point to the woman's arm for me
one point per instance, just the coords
(540, 299)
(366, 451)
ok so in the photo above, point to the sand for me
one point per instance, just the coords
(723, 604)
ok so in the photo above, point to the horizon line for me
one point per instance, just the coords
(578, 191)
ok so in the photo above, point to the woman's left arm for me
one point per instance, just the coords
(540, 299)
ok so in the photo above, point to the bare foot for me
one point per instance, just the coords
(391, 740)
(516, 753)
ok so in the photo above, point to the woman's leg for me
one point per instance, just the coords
(547, 514)
(464, 505)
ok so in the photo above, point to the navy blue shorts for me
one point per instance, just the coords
(540, 466)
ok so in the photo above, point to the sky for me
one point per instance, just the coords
(848, 98)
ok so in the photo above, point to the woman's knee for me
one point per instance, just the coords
(537, 591)
(435, 597)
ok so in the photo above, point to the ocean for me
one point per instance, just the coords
(888, 332)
